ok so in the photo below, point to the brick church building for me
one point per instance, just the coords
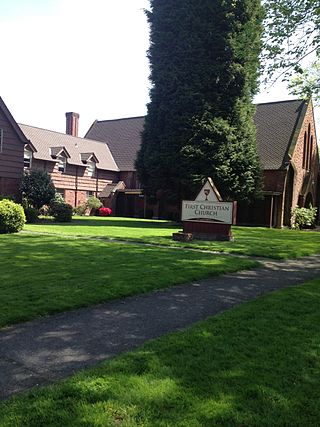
(103, 162)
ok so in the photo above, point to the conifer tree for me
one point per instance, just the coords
(204, 62)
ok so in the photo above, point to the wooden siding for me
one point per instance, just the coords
(75, 180)
(11, 157)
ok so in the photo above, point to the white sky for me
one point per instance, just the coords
(86, 56)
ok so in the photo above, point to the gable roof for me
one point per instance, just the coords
(13, 123)
(278, 125)
(47, 141)
(123, 137)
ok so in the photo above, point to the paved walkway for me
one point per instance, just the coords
(41, 351)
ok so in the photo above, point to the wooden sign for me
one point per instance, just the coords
(208, 217)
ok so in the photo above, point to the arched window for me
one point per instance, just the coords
(305, 149)
(310, 151)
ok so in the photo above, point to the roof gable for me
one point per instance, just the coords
(12, 122)
(278, 125)
(47, 142)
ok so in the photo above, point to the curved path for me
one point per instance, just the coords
(41, 351)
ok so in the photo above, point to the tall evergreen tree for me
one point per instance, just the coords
(204, 61)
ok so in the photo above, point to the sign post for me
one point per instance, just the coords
(207, 217)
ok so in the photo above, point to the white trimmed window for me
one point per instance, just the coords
(62, 163)
(91, 168)
(27, 158)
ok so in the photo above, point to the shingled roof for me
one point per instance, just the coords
(277, 125)
(47, 141)
(123, 137)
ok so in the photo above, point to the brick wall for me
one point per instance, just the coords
(305, 179)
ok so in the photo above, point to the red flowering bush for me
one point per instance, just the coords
(105, 211)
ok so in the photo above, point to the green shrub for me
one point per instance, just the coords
(303, 217)
(31, 214)
(6, 197)
(37, 188)
(93, 203)
(62, 212)
(12, 217)
(80, 210)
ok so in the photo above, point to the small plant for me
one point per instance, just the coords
(12, 217)
(93, 203)
(80, 210)
(62, 212)
(303, 217)
(31, 214)
(105, 211)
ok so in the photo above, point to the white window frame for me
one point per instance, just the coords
(27, 156)
(62, 163)
(91, 168)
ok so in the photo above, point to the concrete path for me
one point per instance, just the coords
(41, 351)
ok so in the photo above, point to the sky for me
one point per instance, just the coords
(86, 56)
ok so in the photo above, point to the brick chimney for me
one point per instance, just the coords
(72, 124)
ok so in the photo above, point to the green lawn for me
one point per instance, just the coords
(252, 241)
(255, 365)
(43, 274)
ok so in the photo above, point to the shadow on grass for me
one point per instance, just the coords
(257, 365)
(90, 221)
(47, 274)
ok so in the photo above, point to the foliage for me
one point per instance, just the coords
(48, 274)
(62, 212)
(80, 210)
(292, 32)
(254, 365)
(93, 203)
(204, 60)
(37, 188)
(6, 197)
(257, 241)
(303, 217)
(31, 214)
(12, 217)
(306, 84)
(105, 211)
(58, 198)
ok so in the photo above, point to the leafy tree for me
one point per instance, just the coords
(307, 83)
(37, 188)
(292, 32)
(204, 61)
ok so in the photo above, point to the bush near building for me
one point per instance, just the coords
(12, 217)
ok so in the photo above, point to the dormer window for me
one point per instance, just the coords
(90, 160)
(27, 157)
(62, 163)
(91, 168)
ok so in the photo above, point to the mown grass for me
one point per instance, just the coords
(252, 241)
(255, 365)
(41, 274)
